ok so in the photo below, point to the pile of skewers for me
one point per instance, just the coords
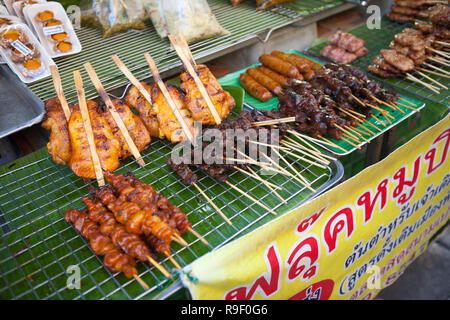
(408, 10)
(336, 100)
(129, 221)
(418, 50)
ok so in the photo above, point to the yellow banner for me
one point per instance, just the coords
(346, 244)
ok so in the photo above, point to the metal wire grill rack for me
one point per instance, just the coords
(38, 246)
(243, 22)
(377, 39)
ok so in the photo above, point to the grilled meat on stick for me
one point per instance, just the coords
(440, 15)
(168, 123)
(107, 145)
(398, 60)
(222, 100)
(134, 99)
(411, 3)
(114, 258)
(130, 243)
(134, 125)
(55, 120)
(147, 199)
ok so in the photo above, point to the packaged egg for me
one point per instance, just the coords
(23, 53)
(54, 29)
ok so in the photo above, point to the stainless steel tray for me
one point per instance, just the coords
(19, 107)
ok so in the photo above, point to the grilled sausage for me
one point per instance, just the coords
(254, 88)
(280, 66)
(264, 80)
(301, 66)
(275, 76)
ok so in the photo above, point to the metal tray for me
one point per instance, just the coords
(19, 107)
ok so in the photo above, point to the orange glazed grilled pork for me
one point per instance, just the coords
(114, 258)
(222, 100)
(168, 123)
(55, 120)
(146, 111)
(107, 145)
(130, 243)
(134, 125)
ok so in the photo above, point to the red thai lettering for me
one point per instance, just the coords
(267, 284)
(430, 156)
(302, 258)
(335, 225)
(368, 203)
(308, 222)
(403, 182)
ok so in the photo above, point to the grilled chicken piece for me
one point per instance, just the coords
(134, 125)
(55, 120)
(168, 123)
(107, 145)
(134, 99)
(222, 100)
(398, 60)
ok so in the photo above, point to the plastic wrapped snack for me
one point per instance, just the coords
(154, 11)
(7, 20)
(3, 11)
(193, 17)
(54, 29)
(18, 6)
(23, 53)
(113, 15)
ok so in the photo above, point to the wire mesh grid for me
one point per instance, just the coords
(377, 39)
(243, 22)
(38, 246)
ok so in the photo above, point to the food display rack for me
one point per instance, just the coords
(245, 24)
(374, 43)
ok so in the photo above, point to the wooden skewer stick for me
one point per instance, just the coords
(132, 78)
(274, 121)
(432, 80)
(415, 105)
(117, 119)
(250, 197)
(348, 136)
(357, 133)
(441, 53)
(355, 112)
(436, 68)
(59, 91)
(350, 114)
(382, 113)
(440, 61)
(179, 239)
(381, 110)
(357, 100)
(195, 233)
(325, 140)
(297, 174)
(346, 131)
(306, 160)
(382, 123)
(406, 106)
(426, 85)
(159, 267)
(310, 153)
(362, 131)
(369, 132)
(263, 165)
(175, 263)
(198, 82)
(387, 104)
(313, 150)
(88, 128)
(141, 282)
(445, 44)
(433, 72)
(266, 183)
(182, 41)
(212, 204)
(169, 99)
(266, 144)
(322, 142)
(351, 143)
(257, 177)
(372, 125)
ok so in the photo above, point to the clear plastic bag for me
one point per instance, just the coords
(193, 17)
(154, 11)
(113, 15)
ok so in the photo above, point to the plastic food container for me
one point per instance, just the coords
(19, 6)
(54, 29)
(23, 53)
(6, 19)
